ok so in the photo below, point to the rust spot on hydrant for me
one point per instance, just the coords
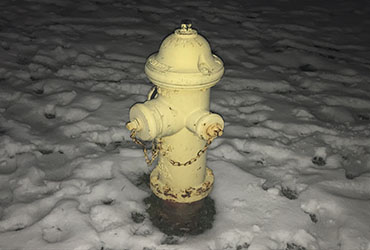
(168, 192)
(188, 193)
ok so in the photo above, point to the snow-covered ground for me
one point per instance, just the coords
(292, 168)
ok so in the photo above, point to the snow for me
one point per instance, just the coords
(292, 168)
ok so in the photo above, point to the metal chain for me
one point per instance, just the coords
(192, 160)
(155, 148)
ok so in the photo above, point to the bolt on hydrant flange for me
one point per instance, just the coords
(177, 118)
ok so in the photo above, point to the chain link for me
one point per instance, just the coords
(194, 159)
(156, 146)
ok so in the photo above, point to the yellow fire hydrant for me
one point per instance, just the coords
(176, 116)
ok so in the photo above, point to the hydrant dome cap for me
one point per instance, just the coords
(184, 60)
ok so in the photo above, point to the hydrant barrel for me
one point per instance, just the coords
(178, 118)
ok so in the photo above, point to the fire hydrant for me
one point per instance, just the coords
(176, 116)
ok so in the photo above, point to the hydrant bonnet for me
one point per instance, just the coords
(184, 61)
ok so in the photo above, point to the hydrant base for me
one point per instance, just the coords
(181, 218)
(188, 195)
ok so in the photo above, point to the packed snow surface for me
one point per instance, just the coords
(292, 168)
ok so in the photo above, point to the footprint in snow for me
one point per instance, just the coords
(62, 98)
(90, 103)
(54, 234)
(68, 115)
(51, 86)
(70, 107)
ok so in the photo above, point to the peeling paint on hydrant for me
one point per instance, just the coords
(176, 116)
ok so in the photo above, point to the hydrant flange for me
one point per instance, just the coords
(186, 195)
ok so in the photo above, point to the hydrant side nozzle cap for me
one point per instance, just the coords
(149, 124)
(215, 130)
(205, 124)
(133, 125)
